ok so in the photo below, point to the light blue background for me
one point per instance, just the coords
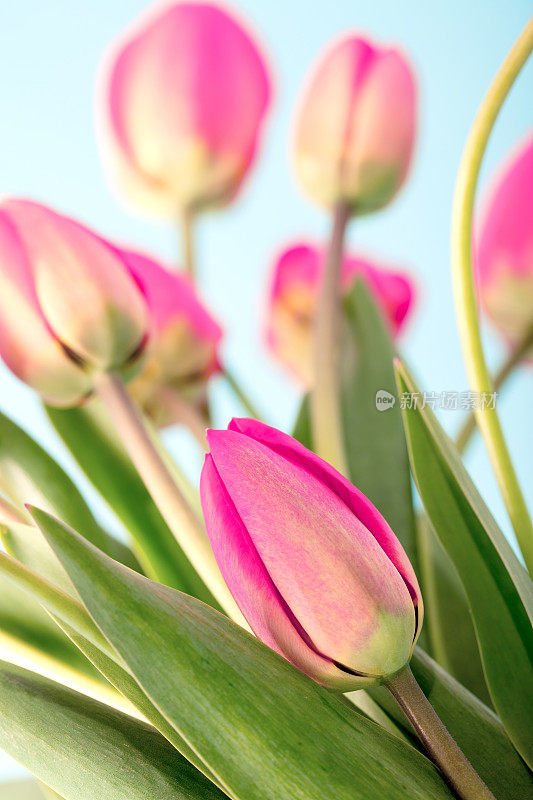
(49, 53)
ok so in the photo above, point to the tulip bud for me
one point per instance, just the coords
(293, 297)
(185, 98)
(505, 249)
(68, 305)
(182, 349)
(313, 566)
(356, 125)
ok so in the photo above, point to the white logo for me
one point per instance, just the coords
(384, 400)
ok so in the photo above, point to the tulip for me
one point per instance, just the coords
(313, 566)
(68, 305)
(293, 297)
(185, 96)
(355, 127)
(505, 249)
(182, 349)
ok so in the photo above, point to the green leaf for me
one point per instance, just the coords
(27, 632)
(374, 439)
(92, 441)
(499, 591)
(84, 750)
(29, 475)
(264, 728)
(450, 634)
(476, 729)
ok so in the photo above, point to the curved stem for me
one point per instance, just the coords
(240, 393)
(186, 224)
(326, 417)
(158, 479)
(465, 294)
(456, 768)
(514, 359)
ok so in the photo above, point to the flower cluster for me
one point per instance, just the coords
(288, 546)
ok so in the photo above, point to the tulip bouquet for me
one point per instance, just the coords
(295, 627)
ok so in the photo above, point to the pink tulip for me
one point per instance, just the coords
(68, 305)
(185, 98)
(293, 297)
(182, 349)
(315, 569)
(356, 126)
(505, 248)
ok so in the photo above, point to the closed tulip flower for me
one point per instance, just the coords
(355, 127)
(185, 97)
(313, 566)
(68, 304)
(505, 249)
(293, 297)
(182, 350)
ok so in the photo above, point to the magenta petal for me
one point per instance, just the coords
(249, 582)
(364, 510)
(327, 566)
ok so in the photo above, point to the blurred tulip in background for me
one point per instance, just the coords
(505, 248)
(355, 127)
(293, 297)
(68, 304)
(184, 99)
(182, 350)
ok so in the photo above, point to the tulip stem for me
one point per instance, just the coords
(186, 414)
(157, 478)
(455, 767)
(465, 293)
(187, 244)
(240, 394)
(514, 359)
(326, 413)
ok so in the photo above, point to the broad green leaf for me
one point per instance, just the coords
(30, 637)
(22, 790)
(450, 634)
(29, 475)
(84, 750)
(475, 728)
(92, 441)
(264, 728)
(374, 439)
(122, 680)
(81, 630)
(499, 591)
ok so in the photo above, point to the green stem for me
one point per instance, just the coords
(240, 394)
(187, 225)
(326, 416)
(443, 750)
(157, 477)
(465, 293)
(514, 359)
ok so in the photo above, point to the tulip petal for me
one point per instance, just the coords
(250, 584)
(364, 510)
(27, 345)
(293, 298)
(185, 97)
(504, 257)
(357, 608)
(85, 293)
